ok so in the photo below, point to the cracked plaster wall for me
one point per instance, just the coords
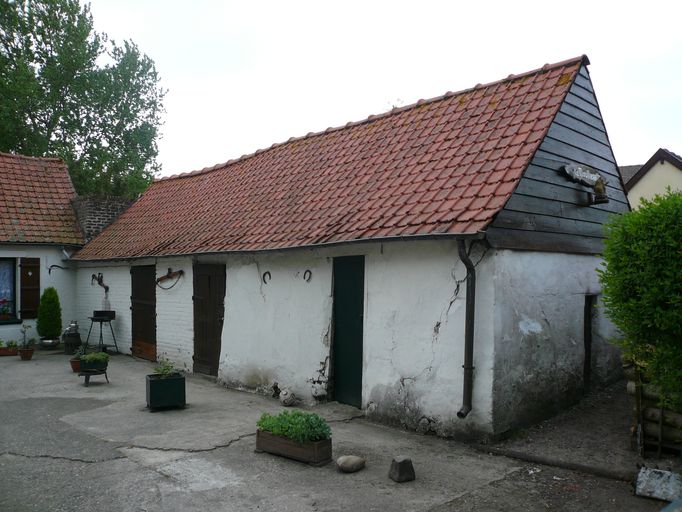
(414, 338)
(539, 342)
(276, 331)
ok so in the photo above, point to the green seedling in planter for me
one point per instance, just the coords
(165, 369)
(11, 344)
(95, 357)
(299, 426)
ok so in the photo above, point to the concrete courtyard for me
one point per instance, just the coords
(67, 447)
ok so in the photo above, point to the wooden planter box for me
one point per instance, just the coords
(165, 392)
(6, 351)
(317, 453)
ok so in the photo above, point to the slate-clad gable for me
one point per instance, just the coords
(548, 211)
(441, 167)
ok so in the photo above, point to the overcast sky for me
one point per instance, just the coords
(244, 75)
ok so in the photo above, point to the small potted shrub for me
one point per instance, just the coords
(94, 362)
(75, 361)
(26, 349)
(9, 350)
(165, 387)
(298, 435)
(49, 322)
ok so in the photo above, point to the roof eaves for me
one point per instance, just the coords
(478, 235)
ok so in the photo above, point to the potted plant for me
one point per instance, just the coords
(75, 361)
(49, 323)
(26, 349)
(9, 350)
(642, 293)
(5, 311)
(165, 387)
(298, 435)
(94, 362)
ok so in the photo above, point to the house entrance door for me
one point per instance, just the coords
(349, 292)
(143, 307)
(209, 311)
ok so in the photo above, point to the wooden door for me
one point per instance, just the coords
(349, 292)
(209, 311)
(143, 307)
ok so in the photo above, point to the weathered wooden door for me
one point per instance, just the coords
(209, 311)
(143, 307)
(349, 292)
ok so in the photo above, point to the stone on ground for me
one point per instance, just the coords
(350, 463)
(401, 469)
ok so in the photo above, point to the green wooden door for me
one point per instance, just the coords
(349, 291)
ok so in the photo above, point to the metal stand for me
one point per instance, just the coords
(100, 321)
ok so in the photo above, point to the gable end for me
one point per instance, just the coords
(547, 211)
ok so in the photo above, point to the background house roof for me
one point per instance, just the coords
(628, 171)
(35, 201)
(660, 155)
(443, 166)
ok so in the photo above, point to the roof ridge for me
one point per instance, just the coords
(374, 117)
(27, 157)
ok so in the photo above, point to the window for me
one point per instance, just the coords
(8, 305)
(24, 304)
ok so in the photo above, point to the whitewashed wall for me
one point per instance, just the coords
(414, 338)
(539, 334)
(62, 279)
(175, 314)
(90, 297)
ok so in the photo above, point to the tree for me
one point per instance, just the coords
(67, 90)
(49, 322)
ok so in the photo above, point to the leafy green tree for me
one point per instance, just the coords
(67, 90)
(642, 286)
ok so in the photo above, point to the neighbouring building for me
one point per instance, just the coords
(38, 234)
(662, 170)
(433, 265)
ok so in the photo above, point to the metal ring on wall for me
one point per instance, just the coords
(307, 276)
(266, 277)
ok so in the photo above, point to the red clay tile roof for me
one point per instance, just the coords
(443, 166)
(35, 202)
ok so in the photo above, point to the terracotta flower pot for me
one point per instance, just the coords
(26, 353)
(8, 351)
(75, 363)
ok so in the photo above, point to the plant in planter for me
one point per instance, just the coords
(75, 361)
(9, 350)
(26, 349)
(165, 387)
(643, 297)
(49, 323)
(5, 309)
(96, 361)
(298, 435)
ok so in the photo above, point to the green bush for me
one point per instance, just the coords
(642, 287)
(49, 323)
(165, 369)
(300, 426)
(95, 357)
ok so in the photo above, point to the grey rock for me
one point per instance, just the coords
(350, 463)
(401, 469)
(659, 484)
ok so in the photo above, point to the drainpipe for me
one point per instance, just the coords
(468, 330)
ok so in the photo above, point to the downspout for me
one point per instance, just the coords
(468, 330)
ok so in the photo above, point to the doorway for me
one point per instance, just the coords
(348, 311)
(143, 307)
(209, 312)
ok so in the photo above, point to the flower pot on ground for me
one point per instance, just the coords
(75, 361)
(96, 361)
(10, 350)
(297, 435)
(49, 322)
(165, 387)
(26, 349)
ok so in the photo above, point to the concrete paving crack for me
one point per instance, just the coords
(192, 450)
(57, 457)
